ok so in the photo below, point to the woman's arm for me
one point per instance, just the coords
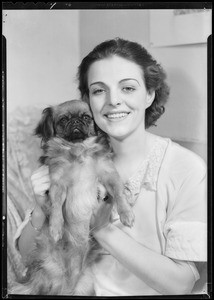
(26, 241)
(163, 274)
(41, 183)
(158, 271)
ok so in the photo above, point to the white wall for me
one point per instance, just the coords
(42, 56)
(185, 119)
(99, 25)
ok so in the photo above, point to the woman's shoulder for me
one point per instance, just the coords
(186, 156)
(178, 159)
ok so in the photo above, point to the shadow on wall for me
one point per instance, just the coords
(198, 148)
(185, 118)
(190, 104)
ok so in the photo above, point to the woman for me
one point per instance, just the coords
(162, 253)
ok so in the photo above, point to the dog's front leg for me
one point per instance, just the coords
(114, 186)
(57, 196)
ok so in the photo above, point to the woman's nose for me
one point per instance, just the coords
(114, 98)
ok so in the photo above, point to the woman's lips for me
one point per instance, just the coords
(116, 115)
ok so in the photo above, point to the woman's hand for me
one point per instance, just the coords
(40, 180)
(101, 216)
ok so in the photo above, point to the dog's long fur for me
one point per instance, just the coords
(65, 249)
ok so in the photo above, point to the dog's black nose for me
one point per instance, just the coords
(76, 121)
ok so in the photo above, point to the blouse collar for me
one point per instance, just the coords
(147, 174)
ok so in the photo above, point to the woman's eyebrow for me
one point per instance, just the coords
(126, 79)
(97, 82)
(122, 80)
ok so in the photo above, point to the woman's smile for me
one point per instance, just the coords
(116, 116)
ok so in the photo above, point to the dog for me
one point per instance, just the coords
(80, 165)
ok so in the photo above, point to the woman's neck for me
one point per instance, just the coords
(130, 152)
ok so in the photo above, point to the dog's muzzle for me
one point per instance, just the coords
(74, 133)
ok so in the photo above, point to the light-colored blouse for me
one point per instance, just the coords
(170, 210)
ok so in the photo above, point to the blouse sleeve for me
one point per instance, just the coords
(185, 229)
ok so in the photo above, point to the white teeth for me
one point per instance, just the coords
(116, 115)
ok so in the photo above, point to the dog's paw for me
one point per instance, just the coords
(127, 218)
(56, 233)
(130, 197)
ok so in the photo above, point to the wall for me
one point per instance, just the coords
(185, 119)
(42, 56)
(99, 25)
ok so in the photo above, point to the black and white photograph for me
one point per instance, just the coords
(106, 149)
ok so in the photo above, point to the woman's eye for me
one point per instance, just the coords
(97, 91)
(128, 89)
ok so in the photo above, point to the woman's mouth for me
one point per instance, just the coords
(116, 116)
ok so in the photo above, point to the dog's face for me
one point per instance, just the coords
(71, 120)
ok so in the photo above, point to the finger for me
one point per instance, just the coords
(38, 176)
(42, 186)
(108, 208)
(107, 204)
(96, 209)
(43, 167)
(105, 209)
(40, 172)
(41, 189)
(40, 182)
(101, 209)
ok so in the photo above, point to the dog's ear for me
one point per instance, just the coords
(99, 132)
(102, 137)
(92, 130)
(45, 128)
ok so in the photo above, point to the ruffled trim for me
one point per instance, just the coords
(186, 241)
(147, 174)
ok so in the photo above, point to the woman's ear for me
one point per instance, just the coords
(150, 98)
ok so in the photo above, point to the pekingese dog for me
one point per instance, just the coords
(80, 165)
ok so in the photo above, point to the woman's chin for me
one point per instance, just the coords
(118, 134)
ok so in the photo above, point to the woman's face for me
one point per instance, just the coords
(118, 96)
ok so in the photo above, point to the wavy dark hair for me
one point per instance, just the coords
(154, 75)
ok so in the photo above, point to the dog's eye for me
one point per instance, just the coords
(86, 118)
(63, 120)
